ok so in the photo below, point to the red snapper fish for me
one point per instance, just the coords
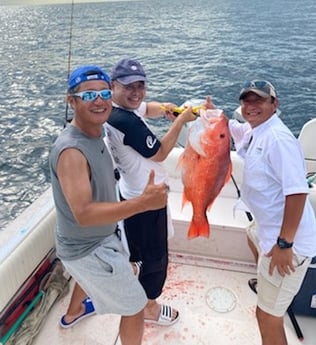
(206, 166)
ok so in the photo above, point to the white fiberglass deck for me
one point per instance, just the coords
(189, 281)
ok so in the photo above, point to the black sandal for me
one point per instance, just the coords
(253, 284)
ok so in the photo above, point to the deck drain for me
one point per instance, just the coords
(221, 299)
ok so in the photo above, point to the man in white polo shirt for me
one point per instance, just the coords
(276, 192)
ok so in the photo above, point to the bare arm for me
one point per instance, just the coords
(157, 109)
(73, 174)
(293, 210)
(170, 138)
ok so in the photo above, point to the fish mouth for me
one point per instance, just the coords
(211, 116)
(214, 112)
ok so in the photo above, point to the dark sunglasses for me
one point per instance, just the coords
(259, 84)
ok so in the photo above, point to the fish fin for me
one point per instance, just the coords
(184, 200)
(193, 231)
(209, 206)
(202, 230)
(180, 161)
(229, 172)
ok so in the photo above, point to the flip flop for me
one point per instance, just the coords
(138, 266)
(165, 317)
(89, 310)
(253, 284)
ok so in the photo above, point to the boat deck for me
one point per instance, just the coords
(207, 278)
(225, 319)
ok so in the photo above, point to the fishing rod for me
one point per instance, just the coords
(69, 56)
(248, 214)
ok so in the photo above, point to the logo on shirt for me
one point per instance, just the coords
(150, 141)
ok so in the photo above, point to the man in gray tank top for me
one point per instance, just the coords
(87, 238)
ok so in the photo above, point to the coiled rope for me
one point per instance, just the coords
(54, 286)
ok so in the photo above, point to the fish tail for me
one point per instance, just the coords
(196, 230)
(204, 230)
(193, 231)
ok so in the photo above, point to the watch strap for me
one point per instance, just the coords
(283, 243)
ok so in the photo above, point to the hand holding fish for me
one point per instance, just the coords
(168, 109)
(175, 111)
(187, 115)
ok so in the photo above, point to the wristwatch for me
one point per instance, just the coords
(283, 243)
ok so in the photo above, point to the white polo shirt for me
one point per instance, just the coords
(274, 168)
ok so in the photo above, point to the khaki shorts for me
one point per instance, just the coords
(275, 293)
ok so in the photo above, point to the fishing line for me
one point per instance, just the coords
(248, 214)
(69, 56)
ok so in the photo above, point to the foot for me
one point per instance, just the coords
(87, 309)
(160, 314)
(137, 265)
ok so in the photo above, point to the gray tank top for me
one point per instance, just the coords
(72, 240)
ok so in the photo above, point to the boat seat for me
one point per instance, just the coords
(24, 244)
(306, 138)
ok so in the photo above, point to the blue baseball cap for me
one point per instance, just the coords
(127, 71)
(86, 73)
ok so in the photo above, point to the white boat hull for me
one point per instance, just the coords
(28, 240)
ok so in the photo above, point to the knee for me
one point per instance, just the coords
(260, 315)
(267, 320)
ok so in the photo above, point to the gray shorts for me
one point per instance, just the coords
(108, 278)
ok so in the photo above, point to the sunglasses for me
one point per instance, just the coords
(90, 96)
(259, 84)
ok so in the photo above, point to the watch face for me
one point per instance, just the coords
(283, 244)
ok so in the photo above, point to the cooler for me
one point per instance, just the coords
(304, 302)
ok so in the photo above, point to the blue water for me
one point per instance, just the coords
(190, 49)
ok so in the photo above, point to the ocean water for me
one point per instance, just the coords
(190, 49)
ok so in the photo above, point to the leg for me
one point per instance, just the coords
(255, 252)
(153, 309)
(132, 329)
(116, 293)
(151, 247)
(76, 306)
(275, 294)
(253, 248)
(271, 328)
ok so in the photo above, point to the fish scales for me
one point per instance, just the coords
(206, 166)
